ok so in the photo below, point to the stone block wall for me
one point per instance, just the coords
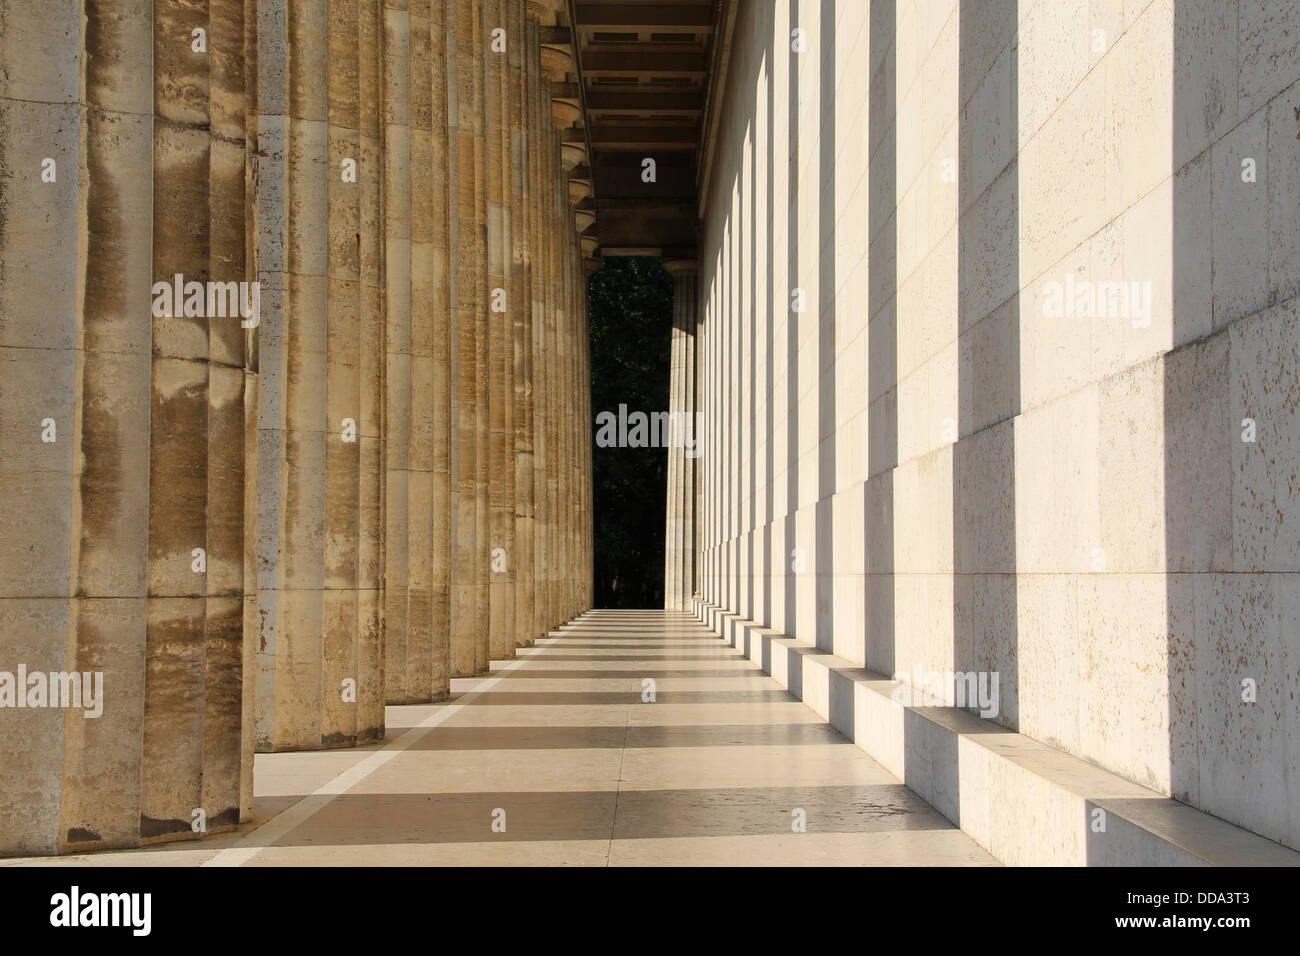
(998, 322)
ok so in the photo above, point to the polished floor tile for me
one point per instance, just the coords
(627, 738)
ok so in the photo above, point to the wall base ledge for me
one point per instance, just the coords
(1026, 803)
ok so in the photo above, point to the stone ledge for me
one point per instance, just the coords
(1025, 802)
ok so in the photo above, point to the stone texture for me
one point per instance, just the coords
(345, 461)
(961, 477)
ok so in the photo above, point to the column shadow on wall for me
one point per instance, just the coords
(984, 600)
(882, 344)
(764, 614)
(787, 558)
(841, 693)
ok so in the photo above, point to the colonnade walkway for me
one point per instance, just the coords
(562, 757)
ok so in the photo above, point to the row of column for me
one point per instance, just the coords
(295, 386)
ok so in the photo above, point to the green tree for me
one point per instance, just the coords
(630, 304)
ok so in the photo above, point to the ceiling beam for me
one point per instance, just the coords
(644, 137)
(596, 16)
(639, 64)
(613, 102)
(615, 160)
(556, 36)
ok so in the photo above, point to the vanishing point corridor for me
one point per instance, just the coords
(937, 359)
(588, 771)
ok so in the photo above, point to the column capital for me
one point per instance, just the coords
(681, 267)
(541, 10)
(556, 63)
(564, 113)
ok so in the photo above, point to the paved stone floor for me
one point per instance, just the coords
(587, 772)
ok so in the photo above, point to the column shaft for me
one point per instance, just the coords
(464, 356)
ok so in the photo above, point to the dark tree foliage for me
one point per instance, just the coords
(631, 309)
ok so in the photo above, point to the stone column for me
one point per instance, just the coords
(399, 398)
(564, 384)
(320, 473)
(464, 570)
(557, 383)
(555, 63)
(522, 63)
(672, 509)
(482, 392)
(590, 524)
(122, 431)
(417, 539)
(525, 595)
(542, 370)
(431, 284)
(679, 540)
(572, 393)
(500, 335)
(696, 435)
(695, 488)
(365, 721)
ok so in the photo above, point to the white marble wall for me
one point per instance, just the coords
(928, 469)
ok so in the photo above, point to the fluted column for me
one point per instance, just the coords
(542, 369)
(470, 559)
(399, 397)
(482, 391)
(672, 509)
(427, 655)
(679, 535)
(121, 451)
(320, 416)
(434, 287)
(525, 235)
(589, 525)
(364, 721)
(570, 419)
(417, 539)
(522, 30)
(564, 384)
(690, 462)
(501, 310)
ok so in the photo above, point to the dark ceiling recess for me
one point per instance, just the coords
(643, 68)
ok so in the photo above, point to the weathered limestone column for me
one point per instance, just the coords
(693, 432)
(482, 390)
(465, 27)
(543, 372)
(431, 286)
(557, 383)
(320, 473)
(570, 419)
(679, 541)
(500, 336)
(525, 71)
(417, 416)
(365, 720)
(589, 523)
(589, 266)
(399, 397)
(564, 383)
(672, 510)
(538, 127)
(112, 417)
(194, 652)
(702, 435)
(555, 62)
